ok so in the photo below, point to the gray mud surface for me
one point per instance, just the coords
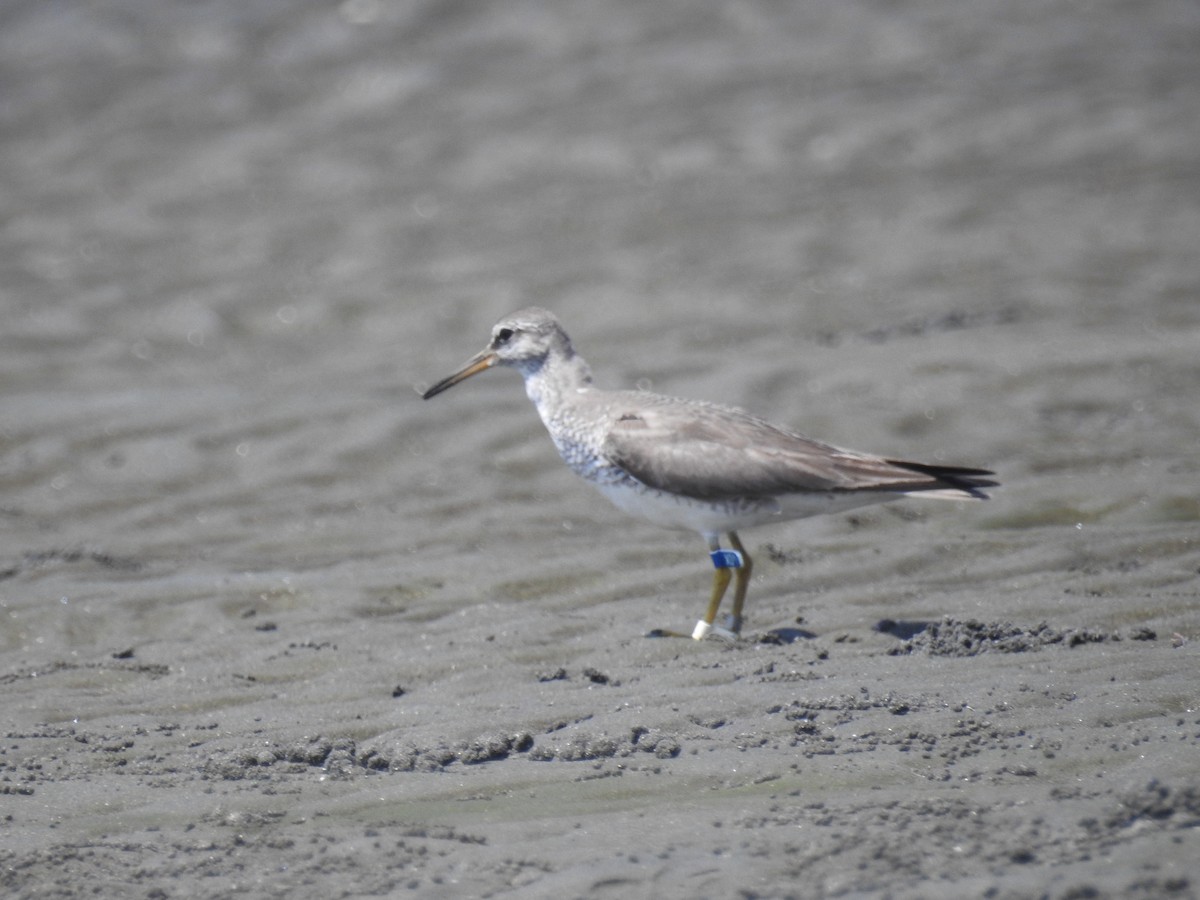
(270, 626)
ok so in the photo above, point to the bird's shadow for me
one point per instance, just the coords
(786, 636)
(902, 630)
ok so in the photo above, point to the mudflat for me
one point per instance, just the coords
(273, 626)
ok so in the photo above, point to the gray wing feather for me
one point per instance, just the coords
(712, 452)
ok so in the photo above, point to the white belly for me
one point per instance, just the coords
(715, 517)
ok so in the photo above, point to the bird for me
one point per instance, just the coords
(694, 465)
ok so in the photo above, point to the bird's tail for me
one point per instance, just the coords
(949, 482)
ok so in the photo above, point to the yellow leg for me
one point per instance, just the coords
(721, 578)
(723, 561)
(740, 585)
(720, 584)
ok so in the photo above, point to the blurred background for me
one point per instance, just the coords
(236, 236)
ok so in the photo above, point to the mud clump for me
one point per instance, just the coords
(970, 637)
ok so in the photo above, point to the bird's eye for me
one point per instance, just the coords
(503, 336)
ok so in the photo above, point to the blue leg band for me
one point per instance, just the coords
(726, 559)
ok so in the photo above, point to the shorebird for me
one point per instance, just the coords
(694, 465)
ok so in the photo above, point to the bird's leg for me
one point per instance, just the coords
(723, 561)
(721, 578)
(734, 622)
(720, 582)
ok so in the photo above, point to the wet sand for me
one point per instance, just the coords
(272, 626)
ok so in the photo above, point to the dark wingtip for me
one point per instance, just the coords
(963, 478)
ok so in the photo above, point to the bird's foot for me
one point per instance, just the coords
(729, 630)
(700, 632)
(726, 632)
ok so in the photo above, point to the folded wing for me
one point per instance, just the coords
(712, 452)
